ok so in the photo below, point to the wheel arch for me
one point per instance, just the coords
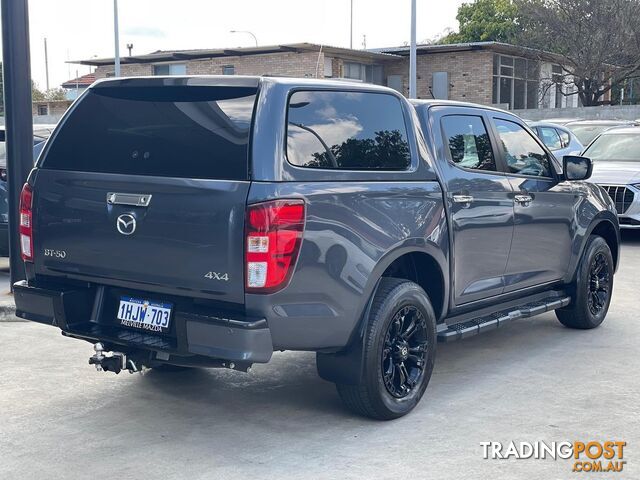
(607, 230)
(346, 365)
(604, 225)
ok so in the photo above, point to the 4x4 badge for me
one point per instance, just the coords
(126, 224)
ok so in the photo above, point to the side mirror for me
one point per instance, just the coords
(576, 168)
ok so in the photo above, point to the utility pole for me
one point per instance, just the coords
(18, 116)
(351, 28)
(116, 38)
(46, 62)
(412, 53)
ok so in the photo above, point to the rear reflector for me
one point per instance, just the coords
(273, 237)
(26, 223)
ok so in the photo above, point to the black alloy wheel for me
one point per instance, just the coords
(398, 352)
(405, 351)
(599, 285)
(592, 288)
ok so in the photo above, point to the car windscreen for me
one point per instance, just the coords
(619, 147)
(170, 131)
(586, 133)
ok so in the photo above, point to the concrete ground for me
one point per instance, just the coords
(533, 380)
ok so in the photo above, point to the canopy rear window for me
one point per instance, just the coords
(170, 131)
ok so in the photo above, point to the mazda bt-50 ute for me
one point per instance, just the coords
(209, 221)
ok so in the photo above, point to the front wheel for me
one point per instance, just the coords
(399, 352)
(592, 288)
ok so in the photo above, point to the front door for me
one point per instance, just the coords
(543, 207)
(480, 204)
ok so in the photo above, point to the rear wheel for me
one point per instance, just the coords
(399, 352)
(592, 288)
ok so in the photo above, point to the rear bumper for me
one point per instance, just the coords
(77, 312)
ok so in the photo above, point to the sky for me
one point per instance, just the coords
(81, 29)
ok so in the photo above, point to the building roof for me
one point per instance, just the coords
(497, 47)
(183, 55)
(80, 82)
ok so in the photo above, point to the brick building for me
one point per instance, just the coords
(488, 73)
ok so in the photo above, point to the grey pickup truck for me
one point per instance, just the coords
(210, 221)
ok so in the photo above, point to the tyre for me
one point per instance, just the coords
(591, 291)
(398, 352)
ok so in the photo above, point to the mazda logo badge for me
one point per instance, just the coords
(126, 224)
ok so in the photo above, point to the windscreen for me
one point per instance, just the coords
(619, 147)
(169, 131)
(586, 133)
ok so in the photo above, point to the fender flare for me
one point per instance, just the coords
(346, 366)
(602, 217)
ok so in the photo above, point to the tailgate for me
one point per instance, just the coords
(189, 236)
(145, 182)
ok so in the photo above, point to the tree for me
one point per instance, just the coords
(598, 40)
(55, 94)
(486, 20)
(37, 95)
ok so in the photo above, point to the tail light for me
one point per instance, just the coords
(273, 236)
(26, 223)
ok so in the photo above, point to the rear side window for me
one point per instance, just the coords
(468, 142)
(347, 130)
(550, 138)
(170, 131)
(564, 138)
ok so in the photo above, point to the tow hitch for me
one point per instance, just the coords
(112, 361)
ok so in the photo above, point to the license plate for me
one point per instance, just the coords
(144, 314)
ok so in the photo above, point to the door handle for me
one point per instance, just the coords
(465, 200)
(523, 199)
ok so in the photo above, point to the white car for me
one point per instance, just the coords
(616, 167)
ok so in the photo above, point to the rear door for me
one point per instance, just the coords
(480, 202)
(146, 184)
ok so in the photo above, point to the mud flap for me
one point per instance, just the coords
(346, 366)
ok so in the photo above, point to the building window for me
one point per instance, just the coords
(43, 109)
(328, 67)
(516, 82)
(170, 69)
(228, 70)
(363, 72)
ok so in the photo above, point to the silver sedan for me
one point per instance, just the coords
(616, 168)
(560, 140)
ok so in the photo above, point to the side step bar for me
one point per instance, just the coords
(481, 324)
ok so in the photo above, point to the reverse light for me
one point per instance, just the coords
(26, 223)
(273, 236)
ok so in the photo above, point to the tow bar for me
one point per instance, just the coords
(112, 361)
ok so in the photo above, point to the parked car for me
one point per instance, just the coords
(616, 167)
(40, 135)
(587, 130)
(560, 140)
(209, 221)
(562, 120)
